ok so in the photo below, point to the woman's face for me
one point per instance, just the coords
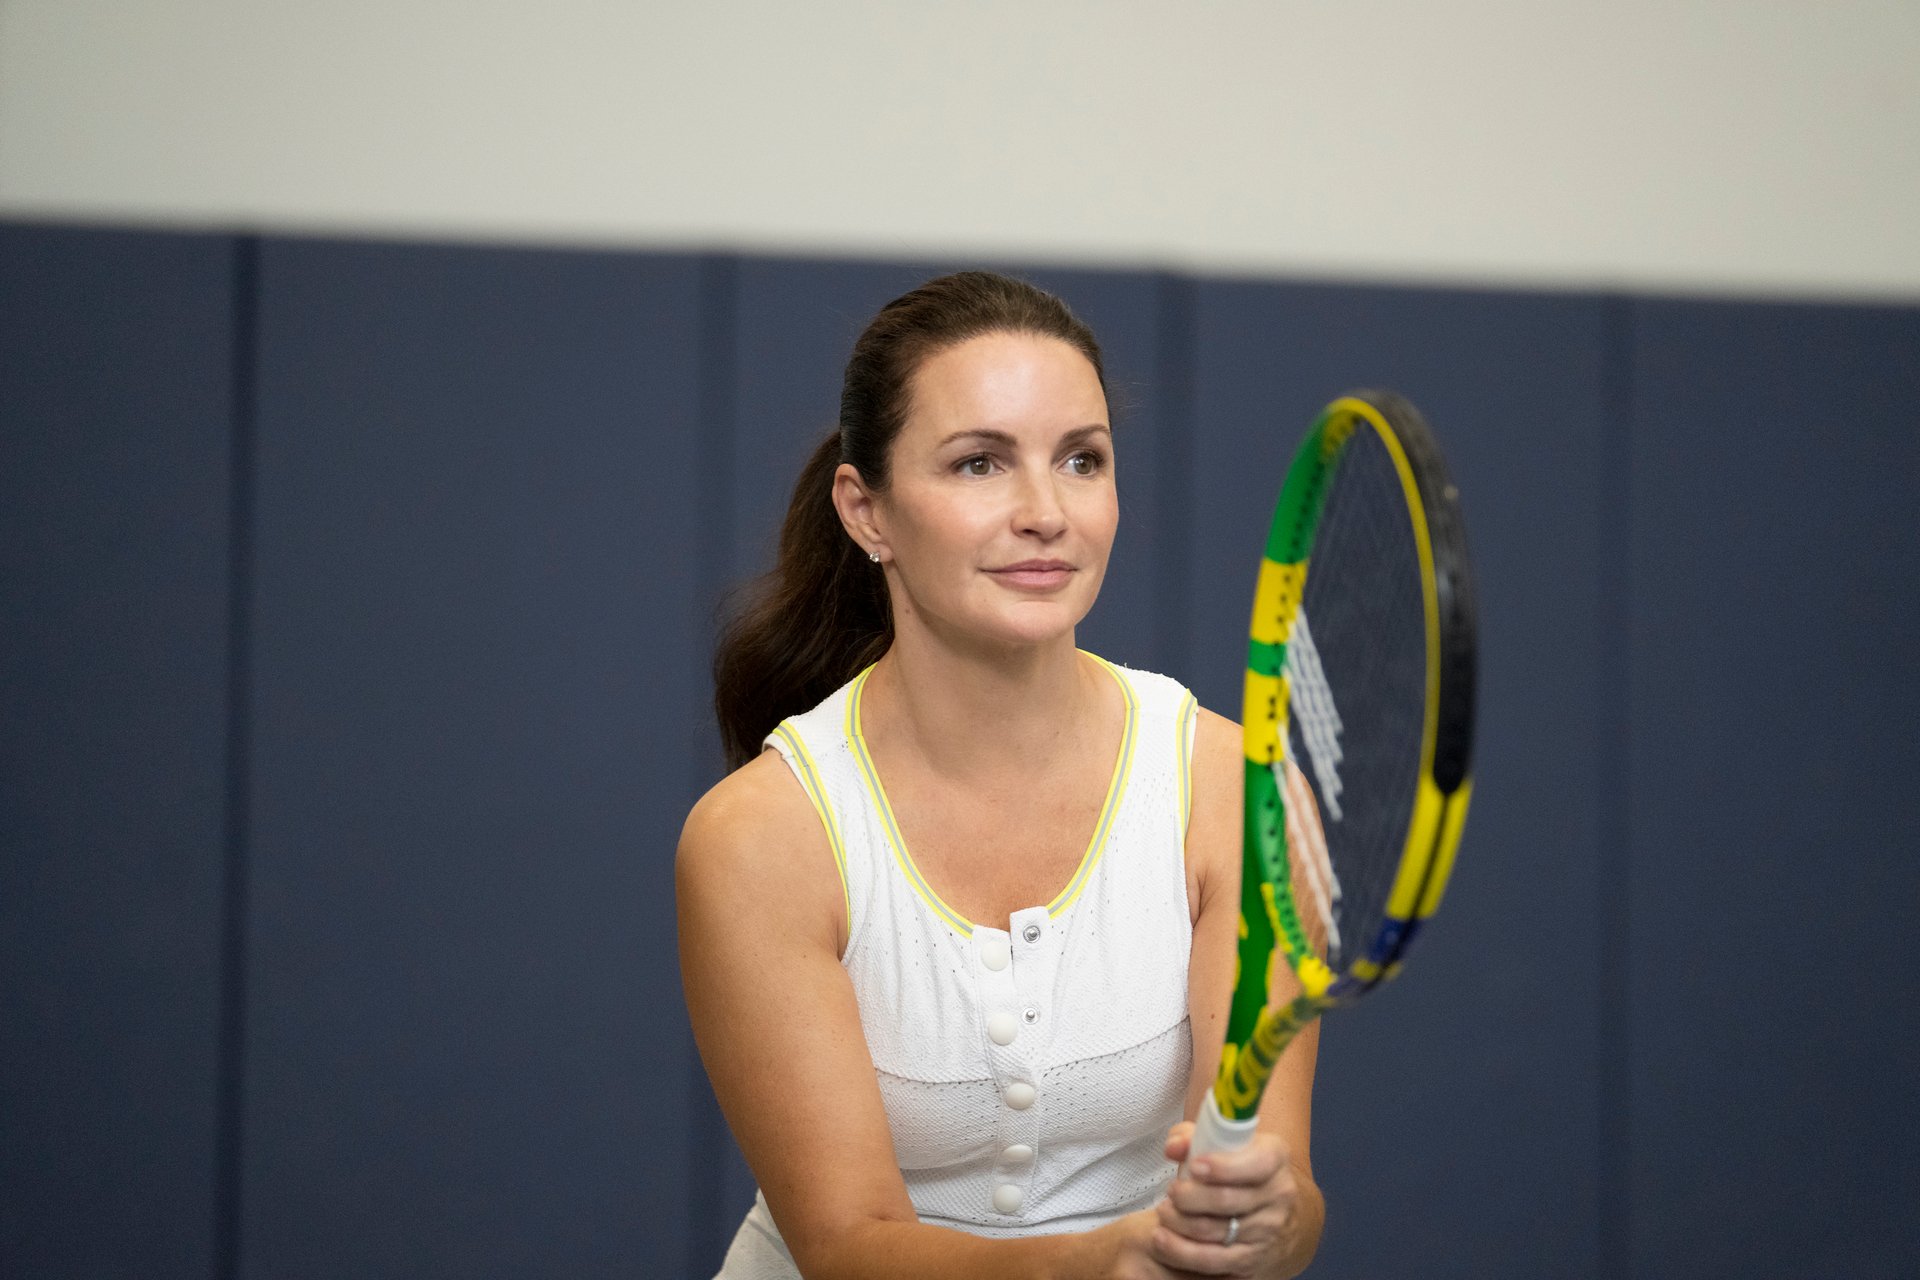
(1001, 508)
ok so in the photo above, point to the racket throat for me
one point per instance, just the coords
(1245, 1069)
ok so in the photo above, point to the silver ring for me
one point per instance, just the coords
(1233, 1230)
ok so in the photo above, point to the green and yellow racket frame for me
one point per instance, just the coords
(1258, 1031)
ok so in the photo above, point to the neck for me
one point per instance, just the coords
(977, 712)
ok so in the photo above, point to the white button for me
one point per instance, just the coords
(1020, 1095)
(1031, 933)
(1031, 1015)
(1007, 1198)
(1002, 1027)
(995, 953)
(1017, 1154)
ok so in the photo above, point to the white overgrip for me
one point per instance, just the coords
(1214, 1132)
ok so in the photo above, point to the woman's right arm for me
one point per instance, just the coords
(762, 924)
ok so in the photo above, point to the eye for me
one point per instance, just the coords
(977, 465)
(1087, 462)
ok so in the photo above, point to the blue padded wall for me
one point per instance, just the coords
(1456, 1111)
(115, 412)
(1774, 554)
(477, 636)
(456, 606)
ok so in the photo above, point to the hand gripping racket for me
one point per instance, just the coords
(1359, 700)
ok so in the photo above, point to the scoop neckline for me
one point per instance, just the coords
(896, 841)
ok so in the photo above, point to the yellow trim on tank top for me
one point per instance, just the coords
(816, 793)
(1183, 740)
(1116, 790)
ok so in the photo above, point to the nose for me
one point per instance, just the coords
(1039, 512)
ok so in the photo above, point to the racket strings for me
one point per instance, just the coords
(1357, 696)
(1310, 702)
(1306, 841)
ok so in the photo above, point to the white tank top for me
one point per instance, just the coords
(1029, 1077)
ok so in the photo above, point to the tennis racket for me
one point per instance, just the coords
(1359, 705)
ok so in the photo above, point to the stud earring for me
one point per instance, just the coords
(874, 556)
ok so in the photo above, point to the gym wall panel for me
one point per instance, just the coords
(494, 498)
(1775, 553)
(476, 623)
(1456, 1112)
(115, 439)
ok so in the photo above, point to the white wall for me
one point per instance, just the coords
(1756, 147)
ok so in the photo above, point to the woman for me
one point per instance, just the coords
(958, 933)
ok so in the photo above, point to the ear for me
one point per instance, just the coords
(859, 511)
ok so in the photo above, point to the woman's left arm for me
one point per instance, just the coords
(1264, 1193)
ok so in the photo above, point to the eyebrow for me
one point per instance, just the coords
(989, 434)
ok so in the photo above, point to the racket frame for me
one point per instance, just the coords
(1270, 926)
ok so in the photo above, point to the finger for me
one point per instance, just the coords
(1179, 1141)
(1201, 1200)
(1204, 1228)
(1245, 1166)
(1181, 1254)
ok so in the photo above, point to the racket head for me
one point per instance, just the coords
(1359, 706)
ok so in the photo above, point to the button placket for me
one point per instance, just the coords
(1013, 1171)
(993, 975)
(1034, 942)
(1009, 1041)
(1036, 951)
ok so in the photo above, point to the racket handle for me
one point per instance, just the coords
(1214, 1132)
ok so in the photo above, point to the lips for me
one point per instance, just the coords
(1034, 575)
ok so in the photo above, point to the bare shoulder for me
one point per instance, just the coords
(755, 838)
(1218, 772)
(760, 798)
(1213, 835)
(1216, 745)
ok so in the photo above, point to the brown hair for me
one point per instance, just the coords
(822, 614)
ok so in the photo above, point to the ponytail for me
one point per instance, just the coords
(822, 615)
(804, 629)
